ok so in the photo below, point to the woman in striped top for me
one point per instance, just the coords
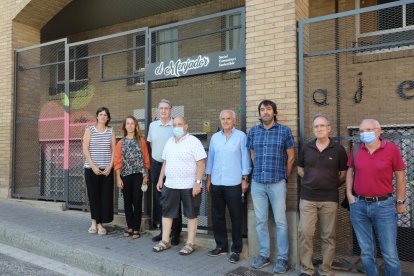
(98, 149)
(131, 165)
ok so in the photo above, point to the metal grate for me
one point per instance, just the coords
(59, 87)
(38, 165)
(201, 107)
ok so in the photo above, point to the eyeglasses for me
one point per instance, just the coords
(319, 126)
(368, 130)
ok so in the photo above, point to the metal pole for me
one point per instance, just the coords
(13, 176)
(66, 152)
(148, 114)
(338, 77)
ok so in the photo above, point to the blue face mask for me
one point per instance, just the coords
(178, 132)
(367, 137)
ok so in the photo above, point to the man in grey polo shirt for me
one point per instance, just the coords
(159, 133)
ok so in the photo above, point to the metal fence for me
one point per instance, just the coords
(355, 65)
(60, 85)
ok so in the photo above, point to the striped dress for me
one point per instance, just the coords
(100, 147)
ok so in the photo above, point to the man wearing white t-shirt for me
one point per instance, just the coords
(183, 166)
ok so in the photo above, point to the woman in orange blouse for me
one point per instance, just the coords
(131, 165)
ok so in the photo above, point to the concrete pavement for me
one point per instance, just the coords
(62, 236)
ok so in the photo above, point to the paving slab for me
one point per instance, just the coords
(62, 236)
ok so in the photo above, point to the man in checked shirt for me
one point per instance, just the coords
(271, 148)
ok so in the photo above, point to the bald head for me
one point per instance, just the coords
(368, 125)
(180, 120)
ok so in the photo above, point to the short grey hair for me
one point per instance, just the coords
(165, 101)
(233, 114)
(320, 115)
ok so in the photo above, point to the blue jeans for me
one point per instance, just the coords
(276, 194)
(379, 217)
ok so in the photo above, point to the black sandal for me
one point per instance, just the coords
(128, 233)
(136, 235)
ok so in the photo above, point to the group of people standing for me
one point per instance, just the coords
(179, 161)
(130, 159)
(368, 173)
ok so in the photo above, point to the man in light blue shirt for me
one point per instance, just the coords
(228, 166)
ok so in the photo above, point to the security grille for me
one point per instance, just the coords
(60, 85)
(357, 65)
(38, 125)
(201, 107)
(205, 95)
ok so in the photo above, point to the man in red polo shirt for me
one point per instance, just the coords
(373, 205)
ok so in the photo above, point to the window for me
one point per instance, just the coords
(233, 37)
(168, 50)
(138, 63)
(393, 25)
(78, 70)
(52, 172)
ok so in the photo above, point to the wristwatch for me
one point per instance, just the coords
(400, 202)
(198, 181)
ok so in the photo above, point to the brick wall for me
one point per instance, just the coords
(272, 61)
(381, 73)
(119, 96)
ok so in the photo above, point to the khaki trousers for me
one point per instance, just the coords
(309, 212)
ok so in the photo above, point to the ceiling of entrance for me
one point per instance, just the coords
(83, 15)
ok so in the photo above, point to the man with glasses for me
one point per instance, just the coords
(322, 166)
(373, 206)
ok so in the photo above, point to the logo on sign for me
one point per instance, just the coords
(178, 68)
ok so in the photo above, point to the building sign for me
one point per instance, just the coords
(179, 68)
(201, 64)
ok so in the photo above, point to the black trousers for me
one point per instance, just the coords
(230, 196)
(133, 200)
(156, 203)
(101, 195)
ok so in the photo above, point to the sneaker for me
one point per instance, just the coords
(280, 267)
(157, 238)
(217, 252)
(234, 257)
(260, 262)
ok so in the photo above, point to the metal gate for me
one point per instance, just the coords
(354, 65)
(60, 85)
